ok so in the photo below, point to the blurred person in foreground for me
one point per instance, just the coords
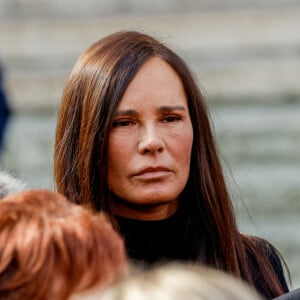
(176, 281)
(5, 111)
(134, 139)
(53, 249)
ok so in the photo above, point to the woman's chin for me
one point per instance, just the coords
(146, 207)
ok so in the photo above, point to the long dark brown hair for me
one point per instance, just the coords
(94, 90)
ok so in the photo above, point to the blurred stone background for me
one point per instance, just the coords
(245, 55)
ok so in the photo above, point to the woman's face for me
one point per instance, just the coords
(150, 144)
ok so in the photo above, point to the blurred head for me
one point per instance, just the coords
(101, 84)
(51, 248)
(180, 282)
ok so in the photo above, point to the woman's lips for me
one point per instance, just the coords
(152, 173)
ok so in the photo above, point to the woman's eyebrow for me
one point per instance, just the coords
(129, 112)
(171, 108)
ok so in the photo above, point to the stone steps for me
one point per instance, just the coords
(238, 55)
(95, 8)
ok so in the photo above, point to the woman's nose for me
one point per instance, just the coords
(150, 141)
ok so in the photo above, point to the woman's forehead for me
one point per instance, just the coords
(156, 79)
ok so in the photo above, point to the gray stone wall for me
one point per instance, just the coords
(238, 50)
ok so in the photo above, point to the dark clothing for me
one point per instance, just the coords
(164, 240)
(5, 112)
(275, 262)
(292, 295)
(152, 241)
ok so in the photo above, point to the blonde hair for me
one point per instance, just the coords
(51, 248)
(176, 281)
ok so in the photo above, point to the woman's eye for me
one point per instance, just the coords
(169, 119)
(122, 123)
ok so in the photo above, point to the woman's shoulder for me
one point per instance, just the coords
(267, 250)
(270, 251)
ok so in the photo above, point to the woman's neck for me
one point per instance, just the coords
(144, 212)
